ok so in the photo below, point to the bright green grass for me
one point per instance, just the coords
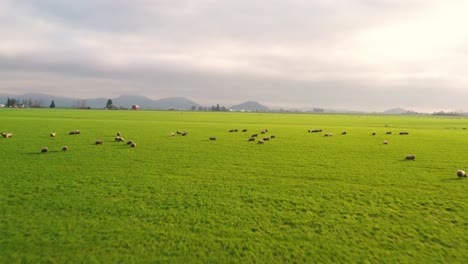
(300, 198)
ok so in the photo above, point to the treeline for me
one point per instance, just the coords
(214, 108)
(30, 103)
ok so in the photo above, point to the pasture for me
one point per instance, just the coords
(300, 197)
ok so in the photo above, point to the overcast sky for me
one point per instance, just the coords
(342, 54)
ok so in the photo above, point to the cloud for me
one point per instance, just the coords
(353, 54)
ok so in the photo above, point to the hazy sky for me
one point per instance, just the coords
(345, 54)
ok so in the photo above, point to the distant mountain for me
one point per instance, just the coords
(175, 103)
(395, 111)
(126, 101)
(250, 106)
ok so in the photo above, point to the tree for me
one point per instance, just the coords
(8, 104)
(109, 104)
(52, 105)
(194, 108)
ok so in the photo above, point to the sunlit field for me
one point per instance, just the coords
(299, 197)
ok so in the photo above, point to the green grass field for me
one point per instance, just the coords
(300, 197)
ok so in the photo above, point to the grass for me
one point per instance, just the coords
(299, 198)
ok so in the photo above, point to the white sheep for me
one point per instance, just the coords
(461, 174)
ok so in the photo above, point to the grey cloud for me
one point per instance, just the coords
(276, 52)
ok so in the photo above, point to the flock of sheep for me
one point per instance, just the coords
(385, 142)
(77, 132)
(253, 137)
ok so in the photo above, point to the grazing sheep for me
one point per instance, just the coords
(118, 134)
(316, 130)
(184, 133)
(266, 138)
(461, 174)
(254, 135)
(64, 148)
(388, 133)
(133, 145)
(343, 133)
(373, 133)
(178, 132)
(120, 139)
(129, 142)
(98, 142)
(44, 150)
(385, 142)
(7, 135)
(244, 130)
(272, 136)
(251, 139)
(53, 134)
(404, 133)
(232, 130)
(260, 142)
(74, 132)
(172, 134)
(410, 157)
(212, 138)
(263, 132)
(328, 135)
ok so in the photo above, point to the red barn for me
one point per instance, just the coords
(135, 107)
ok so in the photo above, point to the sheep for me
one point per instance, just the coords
(129, 142)
(461, 174)
(251, 139)
(133, 145)
(232, 130)
(260, 142)
(266, 138)
(120, 139)
(385, 142)
(410, 157)
(388, 133)
(7, 135)
(373, 133)
(315, 130)
(53, 134)
(254, 135)
(118, 134)
(343, 133)
(184, 133)
(272, 136)
(178, 132)
(328, 135)
(264, 131)
(98, 142)
(172, 134)
(64, 148)
(44, 150)
(212, 138)
(404, 133)
(74, 132)
(244, 130)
